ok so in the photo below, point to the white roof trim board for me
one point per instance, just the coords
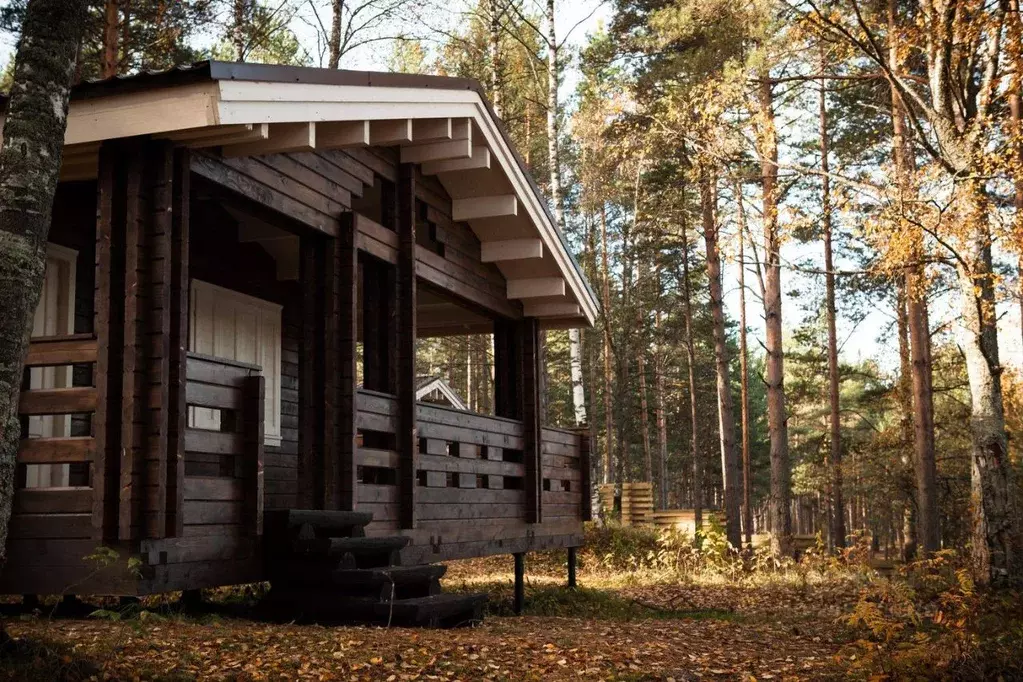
(438, 384)
(476, 165)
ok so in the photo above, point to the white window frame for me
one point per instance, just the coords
(267, 342)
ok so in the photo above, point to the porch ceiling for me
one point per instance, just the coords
(445, 125)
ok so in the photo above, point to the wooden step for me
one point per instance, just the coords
(399, 582)
(323, 523)
(441, 610)
(355, 552)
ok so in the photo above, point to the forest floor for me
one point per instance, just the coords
(618, 625)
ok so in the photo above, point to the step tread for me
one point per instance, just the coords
(438, 606)
(338, 546)
(400, 575)
(319, 519)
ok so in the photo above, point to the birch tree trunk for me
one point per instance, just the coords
(834, 387)
(747, 483)
(33, 146)
(494, 19)
(778, 504)
(730, 465)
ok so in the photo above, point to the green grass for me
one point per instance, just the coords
(583, 602)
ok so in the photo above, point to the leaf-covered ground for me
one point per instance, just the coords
(615, 627)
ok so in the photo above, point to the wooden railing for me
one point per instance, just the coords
(470, 469)
(222, 486)
(64, 511)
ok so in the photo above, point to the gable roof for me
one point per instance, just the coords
(427, 384)
(265, 109)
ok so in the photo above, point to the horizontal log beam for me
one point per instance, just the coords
(498, 206)
(479, 160)
(510, 249)
(342, 134)
(536, 287)
(390, 132)
(552, 310)
(437, 151)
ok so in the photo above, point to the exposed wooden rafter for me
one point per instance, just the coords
(479, 160)
(511, 249)
(499, 206)
(536, 287)
(284, 137)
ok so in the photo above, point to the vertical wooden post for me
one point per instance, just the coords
(156, 334)
(571, 567)
(254, 392)
(520, 582)
(507, 370)
(347, 332)
(405, 346)
(377, 330)
(310, 370)
(179, 303)
(107, 371)
(329, 285)
(531, 427)
(133, 366)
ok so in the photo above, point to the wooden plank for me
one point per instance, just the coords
(213, 396)
(178, 343)
(448, 464)
(369, 493)
(387, 459)
(130, 360)
(158, 325)
(217, 172)
(404, 348)
(24, 526)
(213, 488)
(53, 501)
(42, 401)
(252, 455)
(57, 450)
(338, 457)
(436, 414)
(532, 438)
(475, 511)
(104, 421)
(345, 312)
(214, 442)
(319, 163)
(214, 513)
(206, 370)
(310, 367)
(61, 351)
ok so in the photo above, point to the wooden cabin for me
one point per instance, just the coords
(241, 260)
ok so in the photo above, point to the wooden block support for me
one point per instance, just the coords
(520, 582)
(407, 440)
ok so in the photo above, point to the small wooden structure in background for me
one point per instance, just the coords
(637, 509)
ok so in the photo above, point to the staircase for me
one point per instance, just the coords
(323, 568)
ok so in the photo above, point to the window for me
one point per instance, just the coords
(229, 325)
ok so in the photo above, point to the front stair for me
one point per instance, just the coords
(323, 568)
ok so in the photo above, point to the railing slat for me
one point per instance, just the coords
(56, 450)
(61, 350)
(44, 401)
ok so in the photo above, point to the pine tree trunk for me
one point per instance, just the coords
(730, 465)
(778, 505)
(834, 387)
(111, 14)
(644, 417)
(334, 40)
(659, 417)
(928, 533)
(238, 29)
(609, 424)
(30, 159)
(906, 405)
(694, 442)
(747, 482)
